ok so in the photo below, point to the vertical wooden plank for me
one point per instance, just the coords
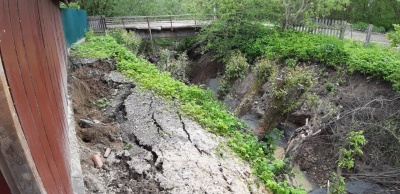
(319, 26)
(62, 50)
(326, 26)
(342, 30)
(36, 89)
(35, 64)
(25, 101)
(16, 161)
(55, 48)
(337, 28)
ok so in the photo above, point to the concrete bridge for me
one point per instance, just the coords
(165, 26)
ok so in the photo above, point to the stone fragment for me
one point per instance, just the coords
(107, 152)
(85, 123)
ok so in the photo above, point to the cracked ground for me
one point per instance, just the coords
(154, 148)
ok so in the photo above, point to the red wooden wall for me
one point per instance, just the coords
(4, 189)
(33, 53)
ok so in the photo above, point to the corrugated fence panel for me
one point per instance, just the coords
(75, 24)
(33, 50)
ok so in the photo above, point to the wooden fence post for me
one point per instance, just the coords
(170, 19)
(123, 23)
(342, 30)
(368, 38)
(151, 35)
(103, 23)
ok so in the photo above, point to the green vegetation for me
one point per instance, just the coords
(363, 27)
(375, 60)
(176, 67)
(395, 36)
(195, 102)
(72, 5)
(298, 45)
(129, 39)
(237, 66)
(307, 9)
(264, 69)
(329, 86)
(353, 146)
(102, 103)
(288, 87)
(136, 7)
(381, 13)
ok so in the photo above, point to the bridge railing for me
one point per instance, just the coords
(156, 22)
(99, 24)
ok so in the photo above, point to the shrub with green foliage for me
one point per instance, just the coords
(289, 87)
(379, 29)
(194, 101)
(372, 59)
(264, 69)
(237, 66)
(176, 67)
(394, 36)
(129, 39)
(363, 27)
(72, 5)
(360, 26)
(302, 46)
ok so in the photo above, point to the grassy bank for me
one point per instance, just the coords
(372, 60)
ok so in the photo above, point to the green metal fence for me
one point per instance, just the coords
(75, 25)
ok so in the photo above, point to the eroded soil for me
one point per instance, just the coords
(154, 148)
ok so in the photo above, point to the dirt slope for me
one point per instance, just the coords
(154, 149)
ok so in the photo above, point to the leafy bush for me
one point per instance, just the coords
(360, 26)
(72, 5)
(116, 33)
(379, 29)
(301, 46)
(353, 146)
(289, 88)
(329, 86)
(176, 67)
(264, 69)
(196, 102)
(394, 36)
(363, 27)
(237, 66)
(373, 59)
(129, 39)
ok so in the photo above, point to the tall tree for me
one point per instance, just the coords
(301, 10)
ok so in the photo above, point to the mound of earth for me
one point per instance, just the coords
(146, 145)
